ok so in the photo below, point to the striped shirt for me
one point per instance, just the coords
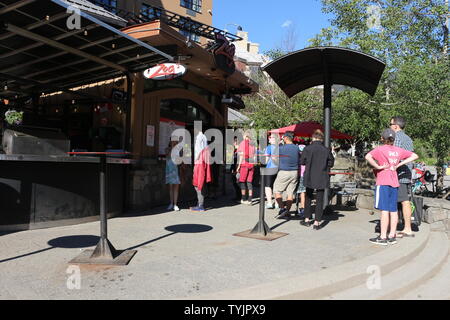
(402, 140)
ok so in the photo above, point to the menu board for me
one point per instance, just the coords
(166, 127)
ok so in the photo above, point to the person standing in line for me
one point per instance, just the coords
(202, 170)
(272, 169)
(246, 152)
(386, 159)
(402, 140)
(287, 176)
(317, 160)
(234, 171)
(172, 178)
(301, 190)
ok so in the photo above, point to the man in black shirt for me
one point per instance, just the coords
(318, 160)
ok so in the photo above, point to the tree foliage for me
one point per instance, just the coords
(411, 37)
(270, 108)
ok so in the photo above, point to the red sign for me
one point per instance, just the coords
(223, 52)
(165, 71)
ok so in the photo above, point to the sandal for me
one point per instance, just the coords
(405, 235)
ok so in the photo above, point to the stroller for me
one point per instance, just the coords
(421, 178)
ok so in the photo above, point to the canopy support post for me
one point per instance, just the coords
(327, 86)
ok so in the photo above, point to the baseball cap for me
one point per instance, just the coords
(388, 133)
(289, 134)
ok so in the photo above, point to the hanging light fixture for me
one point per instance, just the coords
(6, 86)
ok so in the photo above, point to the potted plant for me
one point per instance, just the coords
(14, 117)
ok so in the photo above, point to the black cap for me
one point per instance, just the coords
(388, 133)
(289, 134)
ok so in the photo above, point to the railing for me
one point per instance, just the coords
(172, 19)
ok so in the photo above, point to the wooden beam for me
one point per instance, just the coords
(55, 44)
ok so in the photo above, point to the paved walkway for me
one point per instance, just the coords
(180, 254)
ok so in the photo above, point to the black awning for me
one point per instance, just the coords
(39, 52)
(306, 68)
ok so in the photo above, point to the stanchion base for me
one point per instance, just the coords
(259, 236)
(122, 258)
(104, 254)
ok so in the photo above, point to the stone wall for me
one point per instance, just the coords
(362, 172)
(148, 188)
(435, 211)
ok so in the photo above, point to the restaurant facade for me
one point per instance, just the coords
(105, 101)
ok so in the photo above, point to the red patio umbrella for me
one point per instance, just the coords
(307, 128)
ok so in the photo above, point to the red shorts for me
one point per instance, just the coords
(246, 174)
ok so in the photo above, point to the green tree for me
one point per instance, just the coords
(411, 36)
(270, 108)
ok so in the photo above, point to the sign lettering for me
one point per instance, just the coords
(165, 71)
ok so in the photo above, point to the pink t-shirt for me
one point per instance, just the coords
(387, 154)
(302, 170)
(246, 150)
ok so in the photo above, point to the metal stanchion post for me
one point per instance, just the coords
(104, 249)
(261, 230)
(261, 227)
(104, 253)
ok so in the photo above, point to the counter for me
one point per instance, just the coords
(39, 191)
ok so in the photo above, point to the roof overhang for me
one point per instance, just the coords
(307, 68)
(198, 60)
(41, 52)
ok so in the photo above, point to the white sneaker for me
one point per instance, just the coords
(176, 208)
(170, 207)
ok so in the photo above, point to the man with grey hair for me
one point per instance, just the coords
(403, 141)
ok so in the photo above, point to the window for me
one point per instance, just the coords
(195, 5)
(149, 12)
(191, 36)
(110, 5)
(184, 110)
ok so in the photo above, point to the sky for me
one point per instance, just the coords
(267, 21)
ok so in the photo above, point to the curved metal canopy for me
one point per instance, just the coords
(310, 67)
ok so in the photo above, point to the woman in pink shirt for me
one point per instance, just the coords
(386, 159)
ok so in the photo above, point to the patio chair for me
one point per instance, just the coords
(349, 192)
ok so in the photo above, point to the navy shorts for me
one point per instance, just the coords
(386, 198)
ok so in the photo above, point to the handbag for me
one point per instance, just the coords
(416, 209)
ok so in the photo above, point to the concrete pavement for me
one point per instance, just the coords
(185, 255)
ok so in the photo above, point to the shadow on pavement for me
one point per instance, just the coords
(68, 242)
(177, 228)
(71, 242)
(279, 224)
(210, 203)
(4, 233)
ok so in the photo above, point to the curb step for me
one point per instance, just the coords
(436, 288)
(337, 279)
(407, 277)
